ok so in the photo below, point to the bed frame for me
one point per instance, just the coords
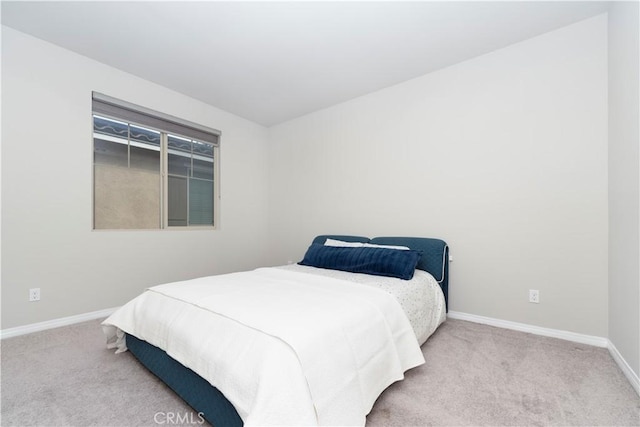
(208, 400)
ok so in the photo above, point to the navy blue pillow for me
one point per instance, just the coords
(376, 261)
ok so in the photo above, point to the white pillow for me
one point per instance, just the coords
(373, 245)
(340, 243)
(343, 244)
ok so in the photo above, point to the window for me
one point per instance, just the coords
(151, 170)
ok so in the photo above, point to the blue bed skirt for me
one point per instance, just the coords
(193, 389)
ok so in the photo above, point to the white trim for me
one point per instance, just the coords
(536, 330)
(55, 323)
(624, 366)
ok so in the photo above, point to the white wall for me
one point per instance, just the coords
(504, 156)
(624, 182)
(47, 185)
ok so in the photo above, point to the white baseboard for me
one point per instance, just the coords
(522, 327)
(556, 333)
(55, 323)
(536, 330)
(624, 366)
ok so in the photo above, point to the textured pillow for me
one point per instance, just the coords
(376, 261)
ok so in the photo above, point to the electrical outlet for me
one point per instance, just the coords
(34, 294)
(534, 296)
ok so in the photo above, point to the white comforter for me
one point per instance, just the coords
(421, 298)
(286, 348)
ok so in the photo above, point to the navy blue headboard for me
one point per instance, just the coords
(434, 260)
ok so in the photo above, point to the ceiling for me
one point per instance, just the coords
(270, 62)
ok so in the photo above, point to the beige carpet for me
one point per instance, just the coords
(474, 375)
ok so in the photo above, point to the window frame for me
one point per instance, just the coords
(176, 123)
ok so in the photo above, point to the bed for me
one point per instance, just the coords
(289, 373)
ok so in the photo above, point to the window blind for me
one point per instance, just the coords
(118, 109)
